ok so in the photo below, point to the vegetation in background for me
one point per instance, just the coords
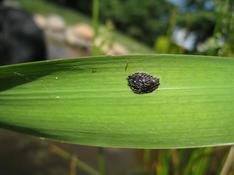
(149, 21)
(142, 21)
(212, 22)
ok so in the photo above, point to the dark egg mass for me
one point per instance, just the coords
(142, 83)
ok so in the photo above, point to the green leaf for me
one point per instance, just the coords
(88, 101)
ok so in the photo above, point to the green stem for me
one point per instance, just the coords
(95, 23)
(146, 159)
(172, 23)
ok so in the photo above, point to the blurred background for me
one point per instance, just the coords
(52, 29)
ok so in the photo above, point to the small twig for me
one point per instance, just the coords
(68, 156)
(73, 165)
(229, 162)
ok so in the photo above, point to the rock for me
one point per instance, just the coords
(80, 36)
(55, 29)
(83, 31)
(55, 23)
(40, 21)
(116, 49)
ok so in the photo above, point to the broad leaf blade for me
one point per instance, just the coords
(88, 101)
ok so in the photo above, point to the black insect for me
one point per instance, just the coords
(142, 83)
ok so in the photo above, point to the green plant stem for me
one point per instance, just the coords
(146, 159)
(229, 162)
(79, 163)
(163, 163)
(95, 19)
(198, 159)
(172, 23)
(95, 23)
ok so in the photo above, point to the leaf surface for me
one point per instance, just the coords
(88, 101)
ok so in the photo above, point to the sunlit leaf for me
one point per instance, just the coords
(88, 101)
